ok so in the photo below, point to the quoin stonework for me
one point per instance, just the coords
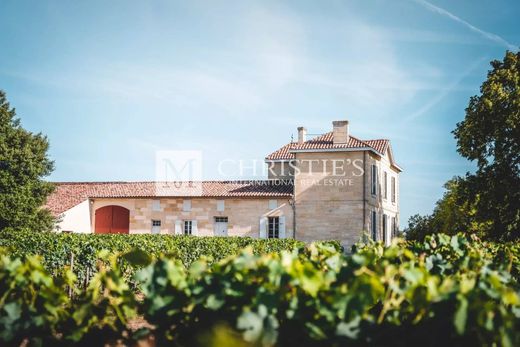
(330, 186)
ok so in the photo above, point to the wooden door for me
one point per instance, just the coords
(103, 220)
(112, 220)
(120, 220)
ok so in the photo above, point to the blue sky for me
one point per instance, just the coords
(112, 82)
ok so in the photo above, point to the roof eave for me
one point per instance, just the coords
(280, 195)
(357, 149)
(400, 169)
(278, 160)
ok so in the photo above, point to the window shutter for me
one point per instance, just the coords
(282, 226)
(263, 227)
(194, 229)
(178, 230)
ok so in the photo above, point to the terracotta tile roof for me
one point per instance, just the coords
(283, 152)
(325, 142)
(380, 145)
(69, 194)
(66, 196)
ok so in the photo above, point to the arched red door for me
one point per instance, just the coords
(112, 219)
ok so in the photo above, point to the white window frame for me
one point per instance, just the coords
(373, 225)
(156, 223)
(221, 219)
(273, 227)
(187, 227)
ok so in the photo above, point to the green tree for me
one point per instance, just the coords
(454, 213)
(490, 135)
(23, 165)
(418, 227)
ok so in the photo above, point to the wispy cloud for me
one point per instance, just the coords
(445, 91)
(483, 33)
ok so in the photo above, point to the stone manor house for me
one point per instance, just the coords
(331, 186)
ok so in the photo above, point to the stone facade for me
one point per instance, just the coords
(329, 205)
(280, 170)
(243, 214)
(383, 204)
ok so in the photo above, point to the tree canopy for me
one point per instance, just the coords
(490, 135)
(486, 202)
(453, 213)
(24, 163)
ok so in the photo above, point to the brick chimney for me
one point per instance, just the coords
(302, 134)
(340, 132)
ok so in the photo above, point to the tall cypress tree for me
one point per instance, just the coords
(24, 163)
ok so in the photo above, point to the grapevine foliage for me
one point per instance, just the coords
(447, 290)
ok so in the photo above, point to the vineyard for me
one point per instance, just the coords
(79, 252)
(188, 291)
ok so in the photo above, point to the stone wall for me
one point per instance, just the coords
(280, 170)
(333, 204)
(378, 203)
(329, 205)
(243, 214)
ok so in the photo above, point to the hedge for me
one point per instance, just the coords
(56, 249)
(449, 290)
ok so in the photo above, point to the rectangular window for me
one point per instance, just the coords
(385, 236)
(156, 226)
(373, 189)
(221, 219)
(394, 231)
(273, 230)
(374, 225)
(188, 227)
(393, 189)
(156, 205)
(385, 185)
(220, 205)
(186, 205)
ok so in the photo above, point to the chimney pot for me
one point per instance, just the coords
(340, 133)
(302, 134)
